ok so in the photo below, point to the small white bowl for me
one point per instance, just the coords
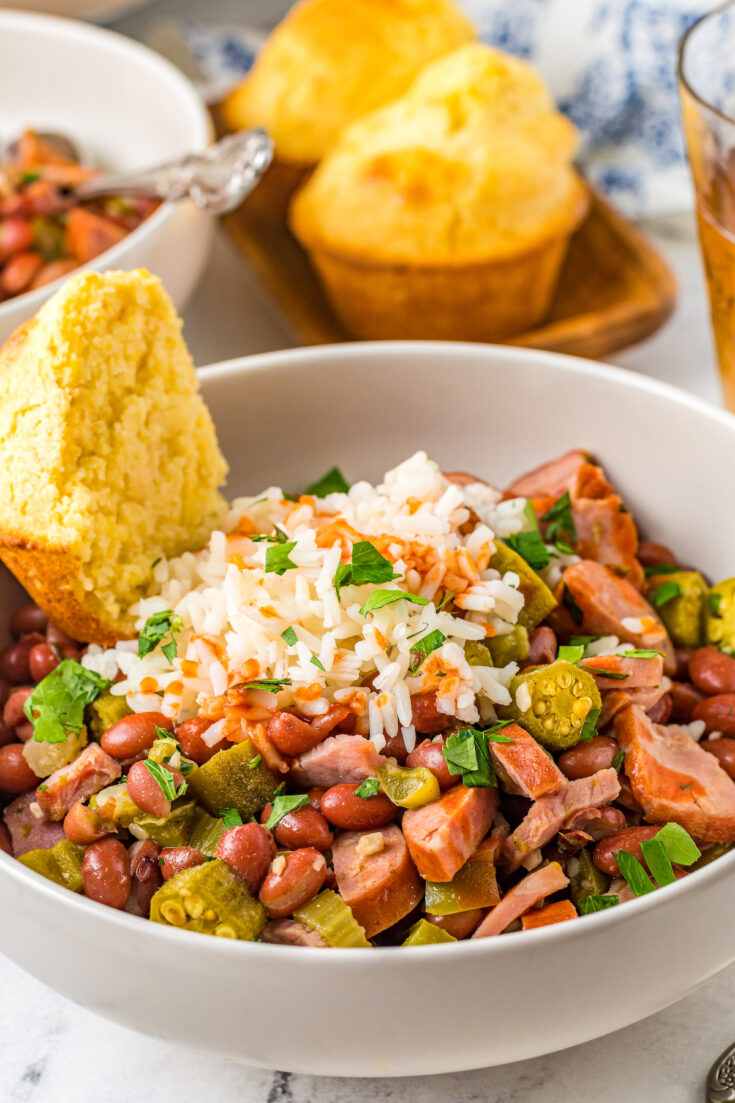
(126, 108)
(283, 419)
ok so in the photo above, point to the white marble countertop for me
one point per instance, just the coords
(54, 1052)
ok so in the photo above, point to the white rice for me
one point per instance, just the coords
(234, 612)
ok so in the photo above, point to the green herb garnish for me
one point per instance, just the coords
(284, 804)
(155, 629)
(679, 845)
(380, 598)
(619, 760)
(278, 536)
(277, 559)
(231, 817)
(667, 591)
(271, 684)
(589, 728)
(601, 672)
(634, 873)
(641, 653)
(289, 636)
(530, 546)
(164, 779)
(368, 788)
(466, 752)
(661, 568)
(366, 565)
(253, 763)
(597, 903)
(571, 653)
(714, 600)
(658, 862)
(567, 600)
(56, 705)
(317, 662)
(448, 596)
(560, 520)
(423, 648)
(333, 482)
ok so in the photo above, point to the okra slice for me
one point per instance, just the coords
(473, 886)
(511, 647)
(61, 863)
(538, 600)
(585, 879)
(106, 711)
(477, 653)
(682, 612)
(408, 787)
(229, 780)
(719, 615)
(427, 934)
(329, 916)
(171, 830)
(210, 899)
(206, 832)
(552, 703)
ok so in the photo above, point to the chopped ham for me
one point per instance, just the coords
(674, 779)
(611, 606)
(524, 765)
(527, 893)
(442, 835)
(381, 886)
(558, 912)
(590, 481)
(615, 700)
(548, 814)
(288, 932)
(338, 758)
(551, 479)
(90, 771)
(638, 673)
(28, 832)
(608, 535)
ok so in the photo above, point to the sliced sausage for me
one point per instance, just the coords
(547, 815)
(288, 932)
(674, 779)
(442, 835)
(27, 832)
(377, 881)
(608, 535)
(526, 894)
(626, 673)
(90, 771)
(338, 758)
(615, 700)
(610, 605)
(524, 764)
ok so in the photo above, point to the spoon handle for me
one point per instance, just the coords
(721, 1078)
(217, 180)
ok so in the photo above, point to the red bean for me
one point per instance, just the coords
(585, 759)
(83, 826)
(5, 844)
(654, 555)
(430, 755)
(134, 734)
(712, 671)
(291, 735)
(16, 234)
(461, 925)
(13, 712)
(145, 872)
(7, 735)
(315, 798)
(300, 879)
(42, 660)
(176, 858)
(426, 717)
(15, 660)
(24, 731)
(724, 751)
(542, 646)
(337, 717)
(718, 713)
(683, 655)
(106, 873)
(249, 849)
(145, 791)
(28, 618)
(305, 827)
(19, 271)
(661, 711)
(4, 692)
(684, 698)
(395, 747)
(55, 636)
(16, 776)
(630, 839)
(343, 808)
(189, 735)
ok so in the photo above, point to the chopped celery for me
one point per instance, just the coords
(329, 916)
(408, 788)
(473, 886)
(426, 934)
(171, 830)
(106, 711)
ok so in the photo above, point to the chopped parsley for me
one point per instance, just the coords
(155, 630)
(589, 728)
(602, 672)
(448, 596)
(366, 565)
(56, 705)
(660, 568)
(619, 760)
(567, 600)
(164, 779)
(560, 520)
(368, 788)
(273, 685)
(231, 817)
(658, 862)
(665, 592)
(679, 845)
(530, 514)
(634, 873)
(530, 546)
(253, 763)
(597, 903)
(423, 648)
(571, 653)
(584, 640)
(284, 804)
(641, 653)
(563, 547)
(277, 558)
(317, 662)
(333, 482)
(278, 536)
(380, 598)
(156, 562)
(289, 636)
(713, 601)
(466, 752)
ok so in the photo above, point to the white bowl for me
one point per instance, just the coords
(284, 418)
(126, 108)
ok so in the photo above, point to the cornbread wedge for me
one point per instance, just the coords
(108, 455)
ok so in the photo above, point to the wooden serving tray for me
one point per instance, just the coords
(614, 289)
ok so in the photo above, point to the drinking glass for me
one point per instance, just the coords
(707, 89)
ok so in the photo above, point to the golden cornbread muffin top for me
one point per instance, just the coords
(108, 455)
(331, 61)
(472, 163)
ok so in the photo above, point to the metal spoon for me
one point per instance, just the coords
(721, 1078)
(217, 180)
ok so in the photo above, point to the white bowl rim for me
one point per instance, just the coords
(67, 28)
(514, 941)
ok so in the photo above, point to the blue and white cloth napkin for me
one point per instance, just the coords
(610, 64)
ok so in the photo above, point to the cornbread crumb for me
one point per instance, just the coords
(108, 455)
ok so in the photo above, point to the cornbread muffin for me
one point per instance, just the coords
(448, 212)
(108, 455)
(328, 63)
